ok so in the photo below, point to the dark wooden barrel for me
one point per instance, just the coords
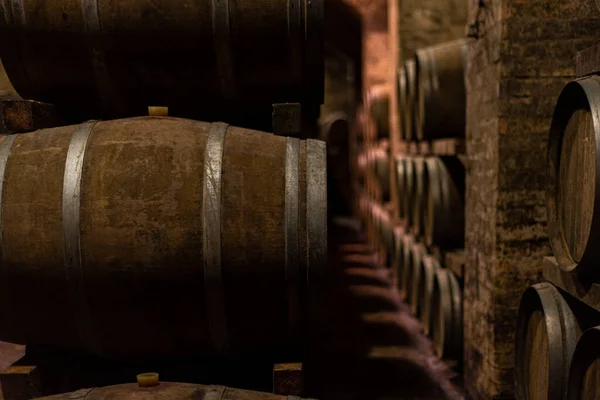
(397, 254)
(401, 184)
(405, 262)
(160, 237)
(166, 391)
(440, 105)
(573, 207)
(444, 210)
(401, 88)
(413, 275)
(121, 57)
(411, 96)
(410, 184)
(446, 316)
(378, 99)
(547, 333)
(584, 372)
(382, 169)
(421, 191)
(429, 267)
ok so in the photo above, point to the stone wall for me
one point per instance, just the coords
(427, 22)
(522, 57)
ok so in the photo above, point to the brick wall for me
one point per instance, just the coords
(427, 22)
(516, 69)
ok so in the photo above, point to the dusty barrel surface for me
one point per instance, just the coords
(573, 207)
(547, 333)
(168, 390)
(121, 57)
(440, 104)
(444, 212)
(446, 322)
(160, 237)
(429, 267)
(584, 373)
(411, 97)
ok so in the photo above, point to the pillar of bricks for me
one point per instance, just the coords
(523, 56)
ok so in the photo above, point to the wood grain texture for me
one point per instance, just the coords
(547, 332)
(571, 201)
(141, 240)
(120, 57)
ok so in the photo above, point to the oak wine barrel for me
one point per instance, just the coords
(378, 99)
(429, 267)
(411, 97)
(445, 326)
(405, 261)
(401, 184)
(413, 275)
(547, 332)
(444, 210)
(409, 193)
(191, 56)
(421, 191)
(584, 372)
(382, 170)
(167, 391)
(573, 207)
(441, 105)
(158, 237)
(397, 253)
(401, 89)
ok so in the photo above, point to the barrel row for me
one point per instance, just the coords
(557, 347)
(434, 293)
(158, 237)
(431, 93)
(118, 58)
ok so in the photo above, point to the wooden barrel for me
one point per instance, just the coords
(441, 105)
(420, 190)
(584, 372)
(382, 169)
(397, 254)
(159, 237)
(444, 210)
(401, 88)
(546, 336)
(190, 56)
(401, 184)
(410, 181)
(411, 97)
(166, 391)
(429, 267)
(405, 262)
(573, 209)
(378, 99)
(413, 275)
(446, 322)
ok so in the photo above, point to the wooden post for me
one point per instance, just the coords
(287, 379)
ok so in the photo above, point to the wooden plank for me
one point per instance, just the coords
(287, 379)
(21, 383)
(18, 115)
(588, 293)
(587, 61)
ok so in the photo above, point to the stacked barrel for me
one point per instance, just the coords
(157, 237)
(557, 341)
(413, 196)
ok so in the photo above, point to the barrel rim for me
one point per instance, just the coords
(417, 252)
(429, 266)
(586, 353)
(576, 95)
(445, 307)
(411, 81)
(547, 299)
